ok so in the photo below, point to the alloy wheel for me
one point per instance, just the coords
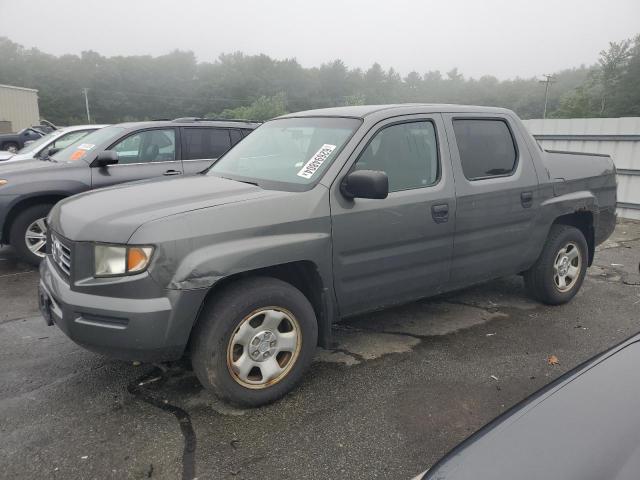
(567, 267)
(35, 237)
(264, 347)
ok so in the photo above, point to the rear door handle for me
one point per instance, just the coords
(440, 213)
(169, 173)
(526, 199)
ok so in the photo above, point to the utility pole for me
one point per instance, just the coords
(86, 103)
(549, 79)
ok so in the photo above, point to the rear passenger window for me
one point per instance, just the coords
(486, 148)
(406, 152)
(236, 136)
(202, 143)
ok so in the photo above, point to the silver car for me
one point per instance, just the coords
(56, 141)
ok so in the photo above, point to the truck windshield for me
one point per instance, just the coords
(84, 145)
(289, 150)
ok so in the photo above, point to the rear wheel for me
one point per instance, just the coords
(28, 234)
(253, 343)
(558, 274)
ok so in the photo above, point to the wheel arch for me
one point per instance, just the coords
(303, 275)
(584, 221)
(23, 203)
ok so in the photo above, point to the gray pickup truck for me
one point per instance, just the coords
(314, 217)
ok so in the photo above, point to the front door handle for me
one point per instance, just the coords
(526, 199)
(169, 173)
(440, 213)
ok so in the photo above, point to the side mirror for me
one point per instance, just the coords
(365, 184)
(108, 157)
(52, 151)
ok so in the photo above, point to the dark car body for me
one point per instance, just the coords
(16, 141)
(348, 255)
(583, 426)
(145, 150)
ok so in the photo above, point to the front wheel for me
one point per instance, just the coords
(253, 343)
(558, 273)
(11, 147)
(28, 234)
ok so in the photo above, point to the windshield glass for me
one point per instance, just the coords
(290, 150)
(81, 147)
(33, 146)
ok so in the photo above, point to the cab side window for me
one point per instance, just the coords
(147, 146)
(486, 148)
(406, 152)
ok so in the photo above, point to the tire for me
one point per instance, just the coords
(552, 279)
(10, 147)
(17, 233)
(224, 353)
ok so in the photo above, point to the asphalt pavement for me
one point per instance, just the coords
(400, 389)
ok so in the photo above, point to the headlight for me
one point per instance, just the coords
(3, 182)
(111, 260)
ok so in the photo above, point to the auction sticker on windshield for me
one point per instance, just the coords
(86, 146)
(77, 155)
(316, 161)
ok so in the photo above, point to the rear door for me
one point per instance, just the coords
(497, 197)
(397, 249)
(202, 145)
(142, 154)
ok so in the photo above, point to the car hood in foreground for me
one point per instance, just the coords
(584, 426)
(114, 214)
(5, 155)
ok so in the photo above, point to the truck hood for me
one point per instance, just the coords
(114, 214)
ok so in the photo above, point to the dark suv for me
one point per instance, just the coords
(114, 154)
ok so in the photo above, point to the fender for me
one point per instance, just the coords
(54, 191)
(566, 204)
(205, 266)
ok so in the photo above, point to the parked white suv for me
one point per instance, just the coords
(58, 139)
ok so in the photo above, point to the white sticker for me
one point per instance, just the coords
(86, 146)
(316, 161)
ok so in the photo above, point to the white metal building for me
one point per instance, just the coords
(19, 106)
(618, 137)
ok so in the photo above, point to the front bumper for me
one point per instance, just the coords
(143, 329)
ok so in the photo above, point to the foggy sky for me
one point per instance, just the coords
(505, 38)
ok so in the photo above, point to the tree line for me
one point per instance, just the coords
(257, 87)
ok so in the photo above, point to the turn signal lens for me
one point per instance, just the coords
(138, 258)
(117, 260)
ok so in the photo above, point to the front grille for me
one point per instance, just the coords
(61, 254)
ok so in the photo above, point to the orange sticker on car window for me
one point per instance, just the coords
(78, 154)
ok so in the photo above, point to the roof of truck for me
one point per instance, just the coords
(361, 111)
(193, 121)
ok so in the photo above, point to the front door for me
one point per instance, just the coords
(143, 154)
(497, 197)
(397, 249)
